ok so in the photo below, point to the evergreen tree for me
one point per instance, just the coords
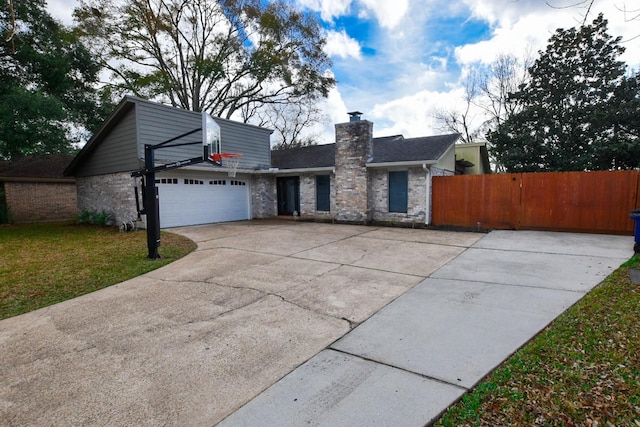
(47, 97)
(579, 111)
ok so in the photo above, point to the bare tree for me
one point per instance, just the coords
(292, 122)
(461, 121)
(218, 56)
(502, 78)
(630, 14)
(486, 102)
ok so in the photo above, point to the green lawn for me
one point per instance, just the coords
(42, 264)
(583, 370)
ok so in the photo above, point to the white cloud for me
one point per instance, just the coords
(388, 13)
(505, 12)
(525, 37)
(328, 9)
(526, 26)
(62, 10)
(336, 112)
(406, 116)
(341, 45)
(406, 66)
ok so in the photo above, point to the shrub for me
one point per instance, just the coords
(4, 209)
(96, 218)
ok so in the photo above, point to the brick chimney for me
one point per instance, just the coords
(353, 149)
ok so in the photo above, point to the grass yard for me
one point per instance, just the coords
(43, 264)
(583, 370)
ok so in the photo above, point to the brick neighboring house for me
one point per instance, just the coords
(361, 179)
(35, 189)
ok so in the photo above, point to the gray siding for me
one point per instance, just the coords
(158, 123)
(251, 141)
(116, 153)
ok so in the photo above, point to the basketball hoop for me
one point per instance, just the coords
(229, 161)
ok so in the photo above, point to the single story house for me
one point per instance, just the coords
(362, 179)
(34, 189)
(357, 179)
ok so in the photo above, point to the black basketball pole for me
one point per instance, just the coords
(151, 203)
(150, 198)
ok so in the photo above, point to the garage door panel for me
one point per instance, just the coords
(202, 200)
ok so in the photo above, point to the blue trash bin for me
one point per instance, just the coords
(635, 216)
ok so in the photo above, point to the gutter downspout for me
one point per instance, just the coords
(427, 208)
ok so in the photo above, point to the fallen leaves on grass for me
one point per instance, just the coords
(583, 370)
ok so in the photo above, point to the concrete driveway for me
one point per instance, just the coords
(192, 342)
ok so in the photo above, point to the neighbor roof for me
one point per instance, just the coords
(36, 168)
(389, 149)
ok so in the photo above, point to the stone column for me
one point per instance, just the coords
(353, 149)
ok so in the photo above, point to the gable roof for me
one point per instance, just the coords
(41, 168)
(311, 156)
(118, 144)
(125, 105)
(389, 149)
(429, 148)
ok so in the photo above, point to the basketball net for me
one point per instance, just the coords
(229, 161)
(232, 166)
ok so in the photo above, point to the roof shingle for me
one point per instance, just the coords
(412, 149)
(311, 156)
(387, 149)
(42, 166)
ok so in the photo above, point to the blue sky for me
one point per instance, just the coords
(399, 60)
(398, 64)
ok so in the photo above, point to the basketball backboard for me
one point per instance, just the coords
(210, 134)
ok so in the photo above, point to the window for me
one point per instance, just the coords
(398, 189)
(323, 193)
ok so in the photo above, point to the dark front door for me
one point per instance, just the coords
(289, 195)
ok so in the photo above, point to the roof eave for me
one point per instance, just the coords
(69, 180)
(275, 171)
(408, 163)
(123, 106)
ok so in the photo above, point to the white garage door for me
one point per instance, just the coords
(189, 199)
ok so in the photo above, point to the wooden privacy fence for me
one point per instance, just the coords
(589, 202)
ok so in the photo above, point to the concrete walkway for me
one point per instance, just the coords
(418, 355)
(282, 323)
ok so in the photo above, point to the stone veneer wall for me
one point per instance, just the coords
(307, 195)
(416, 202)
(41, 201)
(308, 198)
(112, 193)
(264, 197)
(353, 149)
